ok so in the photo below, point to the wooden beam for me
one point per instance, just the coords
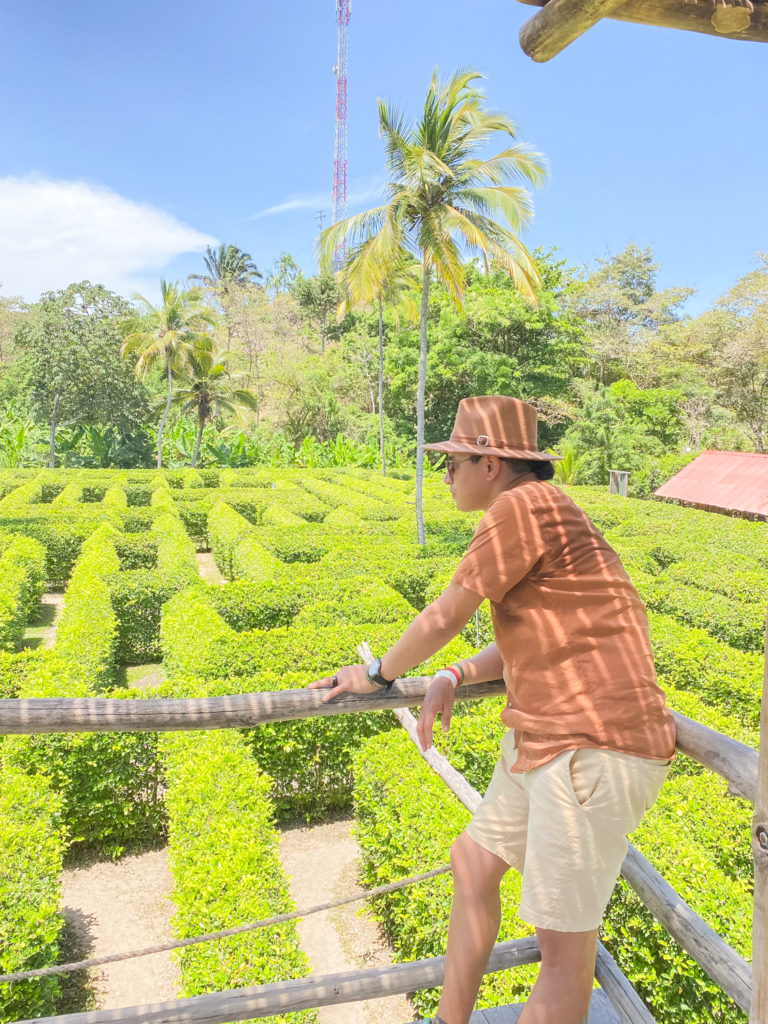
(690, 17)
(625, 1001)
(726, 968)
(735, 761)
(301, 994)
(560, 22)
(238, 711)
(758, 1012)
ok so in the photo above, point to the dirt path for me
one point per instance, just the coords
(121, 905)
(206, 566)
(41, 631)
(321, 862)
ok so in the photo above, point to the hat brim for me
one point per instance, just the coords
(502, 453)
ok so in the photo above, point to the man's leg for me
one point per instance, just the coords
(564, 986)
(473, 926)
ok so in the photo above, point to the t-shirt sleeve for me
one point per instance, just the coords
(506, 546)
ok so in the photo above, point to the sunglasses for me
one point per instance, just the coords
(452, 462)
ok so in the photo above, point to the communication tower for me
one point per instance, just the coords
(339, 198)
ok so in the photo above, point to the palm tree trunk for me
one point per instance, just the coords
(165, 417)
(52, 436)
(200, 429)
(381, 389)
(420, 390)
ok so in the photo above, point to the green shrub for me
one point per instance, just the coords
(14, 670)
(22, 577)
(740, 625)
(226, 869)
(138, 596)
(690, 659)
(31, 851)
(109, 782)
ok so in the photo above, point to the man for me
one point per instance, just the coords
(590, 738)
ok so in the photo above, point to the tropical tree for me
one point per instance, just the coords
(208, 388)
(231, 272)
(442, 198)
(393, 285)
(228, 267)
(168, 335)
(69, 352)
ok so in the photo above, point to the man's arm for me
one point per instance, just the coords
(432, 628)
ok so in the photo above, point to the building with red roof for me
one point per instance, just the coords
(734, 483)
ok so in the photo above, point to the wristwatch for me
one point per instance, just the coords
(374, 676)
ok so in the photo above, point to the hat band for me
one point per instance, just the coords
(483, 441)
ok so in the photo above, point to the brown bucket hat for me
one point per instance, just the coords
(494, 425)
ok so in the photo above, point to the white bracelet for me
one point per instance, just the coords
(447, 674)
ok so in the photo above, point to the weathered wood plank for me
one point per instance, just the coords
(301, 994)
(758, 1013)
(735, 761)
(560, 22)
(104, 714)
(690, 17)
(726, 968)
(627, 1004)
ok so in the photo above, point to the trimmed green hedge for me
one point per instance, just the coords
(109, 782)
(31, 852)
(226, 868)
(723, 678)
(22, 578)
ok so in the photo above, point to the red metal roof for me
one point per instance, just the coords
(722, 481)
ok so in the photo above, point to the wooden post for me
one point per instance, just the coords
(559, 23)
(618, 480)
(758, 1012)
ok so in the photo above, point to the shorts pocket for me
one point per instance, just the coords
(586, 772)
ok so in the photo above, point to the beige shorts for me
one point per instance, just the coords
(563, 826)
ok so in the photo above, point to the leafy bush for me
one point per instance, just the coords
(109, 782)
(31, 851)
(226, 869)
(22, 576)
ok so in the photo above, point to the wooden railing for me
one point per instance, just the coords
(734, 761)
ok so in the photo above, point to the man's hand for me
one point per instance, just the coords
(349, 679)
(439, 700)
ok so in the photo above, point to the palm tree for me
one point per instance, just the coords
(228, 266)
(208, 388)
(391, 285)
(169, 334)
(229, 270)
(441, 202)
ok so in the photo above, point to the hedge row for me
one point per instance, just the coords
(723, 678)
(31, 853)
(109, 782)
(739, 624)
(235, 547)
(310, 760)
(22, 577)
(139, 594)
(223, 854)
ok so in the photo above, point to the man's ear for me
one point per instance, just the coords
(493, 466)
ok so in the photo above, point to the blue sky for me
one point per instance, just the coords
(135, 134)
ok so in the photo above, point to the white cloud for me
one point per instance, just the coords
(361, 193)
(55, 232)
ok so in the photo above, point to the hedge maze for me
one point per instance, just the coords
(314, 563)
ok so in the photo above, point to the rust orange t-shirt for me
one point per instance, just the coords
(570, 628)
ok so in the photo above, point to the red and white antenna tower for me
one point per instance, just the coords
(339, 199)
